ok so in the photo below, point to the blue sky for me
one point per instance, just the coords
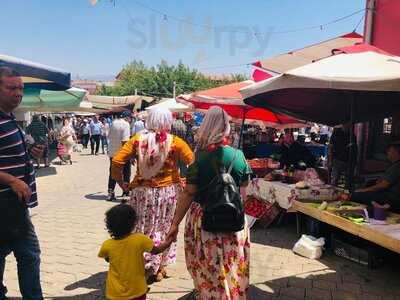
(98, 40)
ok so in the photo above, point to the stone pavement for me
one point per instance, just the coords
(69, 223)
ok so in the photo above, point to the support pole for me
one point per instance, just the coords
(241, 130)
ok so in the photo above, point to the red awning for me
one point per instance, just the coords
(229, 98)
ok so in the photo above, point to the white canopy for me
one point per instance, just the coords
(322, 91)
(172, 105)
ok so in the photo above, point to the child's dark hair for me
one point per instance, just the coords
(120, 220)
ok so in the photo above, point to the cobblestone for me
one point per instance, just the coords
(70, 226)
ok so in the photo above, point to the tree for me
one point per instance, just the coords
(159, 80)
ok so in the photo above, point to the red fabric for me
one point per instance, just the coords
(231, 93)
(259, 75)
(386, 26)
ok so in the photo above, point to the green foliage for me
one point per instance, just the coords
(159, 80)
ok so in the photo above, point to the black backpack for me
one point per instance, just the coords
(222, 204)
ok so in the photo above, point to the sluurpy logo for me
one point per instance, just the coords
(174, 34)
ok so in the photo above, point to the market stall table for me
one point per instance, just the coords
(385, 235)
(285, 194)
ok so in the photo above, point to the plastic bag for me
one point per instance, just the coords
(309, 246)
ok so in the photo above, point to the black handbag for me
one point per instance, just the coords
(222, 204)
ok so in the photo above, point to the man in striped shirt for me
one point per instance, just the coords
(17, 183)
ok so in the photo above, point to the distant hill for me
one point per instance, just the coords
(94, 77)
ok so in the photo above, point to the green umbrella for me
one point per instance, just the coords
(53, 101)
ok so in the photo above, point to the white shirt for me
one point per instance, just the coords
(137, 127)
(120, 131)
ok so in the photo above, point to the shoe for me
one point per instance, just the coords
(97, 153)
(125, 194)
(111, 196)
(92, 153)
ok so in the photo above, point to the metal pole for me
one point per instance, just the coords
(369, 21)
(350, 171)
(241, 130)
(174, 90)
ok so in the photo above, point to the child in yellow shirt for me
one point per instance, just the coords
(126, 278)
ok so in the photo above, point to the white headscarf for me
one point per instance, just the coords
(214, 128)
(154, 142)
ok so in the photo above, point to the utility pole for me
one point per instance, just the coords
(174, 90)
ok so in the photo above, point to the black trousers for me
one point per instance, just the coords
(95, 140)
(85, 140)
(126, 174)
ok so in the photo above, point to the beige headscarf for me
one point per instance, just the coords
(154, 142)
(214, 129)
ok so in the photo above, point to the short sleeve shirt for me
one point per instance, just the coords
(203, 170)
(120, 131)
(126, 275)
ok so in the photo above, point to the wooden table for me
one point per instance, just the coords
(387, 236)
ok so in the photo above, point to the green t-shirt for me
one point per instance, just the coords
(392, 174)
(203, 170)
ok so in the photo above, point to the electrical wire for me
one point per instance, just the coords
(322, 26)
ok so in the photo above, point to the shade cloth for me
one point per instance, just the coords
(324, 90)
(297, 58)
(54, 101)
(172, 105)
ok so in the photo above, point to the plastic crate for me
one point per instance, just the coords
(355, 249)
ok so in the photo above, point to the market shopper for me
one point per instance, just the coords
(387, 189)
(119, 134)
(339, 153)
(95, 133)
(157, 184)
(39, 132)
(217, 262)
(105, 130)
(17, 192)
(85, 133)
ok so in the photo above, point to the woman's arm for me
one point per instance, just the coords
(184, 202)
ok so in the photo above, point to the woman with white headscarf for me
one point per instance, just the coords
(157, 184)
(217, 262)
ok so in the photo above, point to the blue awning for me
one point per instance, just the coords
(36, 76)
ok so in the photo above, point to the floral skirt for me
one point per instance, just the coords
(218, 263)
(155, 208)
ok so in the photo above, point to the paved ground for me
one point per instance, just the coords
(70, 226)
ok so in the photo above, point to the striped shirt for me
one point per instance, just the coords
(14, 158)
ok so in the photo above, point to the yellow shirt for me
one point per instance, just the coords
(126, 275)
(169, 173)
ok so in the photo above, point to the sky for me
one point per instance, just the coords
(215, 37)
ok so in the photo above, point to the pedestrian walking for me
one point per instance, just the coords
(105, 130)
(119, 134)
(17, 192)
(124, 252)
(95, 133)
(217, 262)
(39, 132)
(157, 184)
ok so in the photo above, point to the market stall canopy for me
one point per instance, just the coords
(307, 55)
(36, 76)
(113, 102)
(172, 105)
(229, 98)
(54, 101)
(323, 91)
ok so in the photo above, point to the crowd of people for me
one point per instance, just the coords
(144, 230)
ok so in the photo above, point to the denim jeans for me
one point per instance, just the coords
(27, 253)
